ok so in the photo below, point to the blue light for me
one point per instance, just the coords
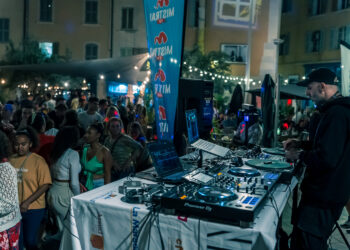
(246, 118)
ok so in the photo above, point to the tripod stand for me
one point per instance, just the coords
(342, 234)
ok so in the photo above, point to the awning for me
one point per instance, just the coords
(290, 91)
(128, 68)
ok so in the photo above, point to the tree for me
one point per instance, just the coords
(29, 53)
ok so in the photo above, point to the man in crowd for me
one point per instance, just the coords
(326, 186)
(125, 150)
(103, 105)
(57, 115)
(49, 102)
(90, 116)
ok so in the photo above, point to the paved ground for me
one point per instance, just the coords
(335, 242)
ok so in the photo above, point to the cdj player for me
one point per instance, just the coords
(233, 195)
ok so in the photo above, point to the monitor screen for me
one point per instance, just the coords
(192, 125)
(164, 157)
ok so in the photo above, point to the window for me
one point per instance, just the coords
(4, 30)
(314, 41)
(339, 34)
(91, 8)
(45, 10)
(286, 6)
(237, 53)
(127, 18)
(340, 4)
(317, 7)
(91, 51)
(138, 51)
(284, 46)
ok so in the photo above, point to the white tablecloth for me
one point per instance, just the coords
(99, 219)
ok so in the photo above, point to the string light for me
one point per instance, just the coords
(214, 76)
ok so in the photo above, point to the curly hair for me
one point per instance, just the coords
(31, 134)
(67, 137)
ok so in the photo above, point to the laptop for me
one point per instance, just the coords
(166, 162)
(195, 141)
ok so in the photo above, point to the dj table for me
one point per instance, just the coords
(99, 219)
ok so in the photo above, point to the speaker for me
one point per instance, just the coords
(194, 94)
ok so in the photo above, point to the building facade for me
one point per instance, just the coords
(77, 30)
(11, 24)
(311, 31)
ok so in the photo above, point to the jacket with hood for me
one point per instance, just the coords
(327, 177)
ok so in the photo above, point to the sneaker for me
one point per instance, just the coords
(346, 225)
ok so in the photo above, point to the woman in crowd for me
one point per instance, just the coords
(65, 169)
(10, 215)
(96, 158)
(45, 141)
(137, 134)
(71, 119)
(143, 161)
(34, 179)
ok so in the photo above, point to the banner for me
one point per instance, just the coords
(164, 24)
(345, 68)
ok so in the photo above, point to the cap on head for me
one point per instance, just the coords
(320, 75)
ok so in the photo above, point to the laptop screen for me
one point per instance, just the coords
(164, 157)
(192, 125)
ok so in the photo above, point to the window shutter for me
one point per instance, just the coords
(347, 34)
(333, 38)
(308, 42)
(55, 48)
(131, 18)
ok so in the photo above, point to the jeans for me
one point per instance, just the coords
(31, 221)
(98, 183)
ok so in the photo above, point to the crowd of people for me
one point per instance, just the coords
(52, 150)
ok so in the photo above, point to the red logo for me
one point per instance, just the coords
(161, 38)
(183, 218)
(159, 58)
(161, 75)
(162, 115)
(160, 21)
(159, 95)
(162, 3)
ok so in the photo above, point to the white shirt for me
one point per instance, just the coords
(68, 167)
(9, 206)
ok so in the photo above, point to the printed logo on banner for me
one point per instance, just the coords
(161, 38)
(164, 23)
(161, 3)
(182, 218)
(179, 244)
(160, 75)
(96, 238)
(135, 228)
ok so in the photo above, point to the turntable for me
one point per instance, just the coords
(215, 194)
(243, 172)
(272, 165)
(274, 151)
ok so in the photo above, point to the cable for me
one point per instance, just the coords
(199, 233)
(160, 234)
(144, 219)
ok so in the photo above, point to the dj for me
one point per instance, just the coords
(326, 184)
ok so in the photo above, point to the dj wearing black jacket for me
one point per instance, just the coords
(326, 184)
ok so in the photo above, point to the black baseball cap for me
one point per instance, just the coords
(320, 75)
